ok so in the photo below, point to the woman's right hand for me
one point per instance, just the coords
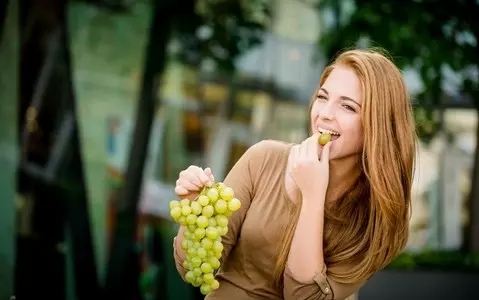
(192, 180)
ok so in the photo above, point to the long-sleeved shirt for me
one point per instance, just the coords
(255, 230)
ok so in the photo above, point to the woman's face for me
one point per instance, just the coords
(337, 110)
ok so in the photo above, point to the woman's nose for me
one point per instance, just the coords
(326, 112)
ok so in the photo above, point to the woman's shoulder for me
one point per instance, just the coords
(268, 155)
(270, 147)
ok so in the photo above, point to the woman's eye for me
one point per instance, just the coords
(321, 97)
(349, 107)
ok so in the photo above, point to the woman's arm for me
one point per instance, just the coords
(305, 275)
(306, 254)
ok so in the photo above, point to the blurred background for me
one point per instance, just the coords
(103, 102)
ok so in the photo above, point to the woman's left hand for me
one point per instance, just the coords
(310, 173)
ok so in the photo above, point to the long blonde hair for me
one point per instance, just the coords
(369, 224)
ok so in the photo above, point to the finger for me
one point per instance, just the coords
(325, 152)
(296, 152)
(303, 149)
(191, 176)
(210, 176)
(188, 185)
(204, 178)
(313, 146)
(181, 191)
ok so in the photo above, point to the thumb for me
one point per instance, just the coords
(325, 152)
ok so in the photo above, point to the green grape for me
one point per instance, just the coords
(221, 220)
(203, 200)
(184, 244)
(188, 235)
(192, 227)
(199, 233)
(174, 203)
(219, 239)
(185, 202)
(202, 221)
(190, 277)
(227, 194)
(211, 253)
(221, 206)
(206, 268)
(324, 138)
(196, 262)
(207, 244)
(221, 186)
(215, 284)
(223, 230)
(198, 282)
(208, 211)
(227, 213)
(191, 252)
(211, 233)
(195, 208)
(217, 246)
(201, 252)
(197, 271)
(217, 255)
(175, 213)
(197, 245)
(234, 204)
(186, 265)
(213, 262)
(212, 194)
(212, 222)
(191, 219)
(182, 221)
(208, 278)
(185, 210)
(205, 289)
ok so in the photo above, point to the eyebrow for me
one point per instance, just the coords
(342, 97)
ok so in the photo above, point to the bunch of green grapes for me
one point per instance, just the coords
(206, 222)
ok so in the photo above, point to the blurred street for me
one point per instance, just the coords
(104, 102)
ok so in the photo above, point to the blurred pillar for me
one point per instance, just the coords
(174, 106)
(9, 60)
(107, 51)
(122, 272)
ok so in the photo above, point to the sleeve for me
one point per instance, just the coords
(241, 179)
(320, 287)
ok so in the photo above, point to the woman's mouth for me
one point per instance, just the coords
(334, 134)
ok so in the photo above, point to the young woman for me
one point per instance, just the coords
(317, 222)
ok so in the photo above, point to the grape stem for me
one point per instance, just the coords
(205, 189)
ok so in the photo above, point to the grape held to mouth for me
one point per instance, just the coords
(324, 138)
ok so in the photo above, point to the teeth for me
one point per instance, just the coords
(322, 130)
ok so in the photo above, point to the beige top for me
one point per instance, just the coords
(254, 231)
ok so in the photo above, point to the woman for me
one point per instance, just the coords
(314, 228)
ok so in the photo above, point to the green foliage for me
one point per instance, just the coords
(427, 123)
(436, 260)
(426, 35)
(219, 30)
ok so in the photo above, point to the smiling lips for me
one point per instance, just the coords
(333, 133)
